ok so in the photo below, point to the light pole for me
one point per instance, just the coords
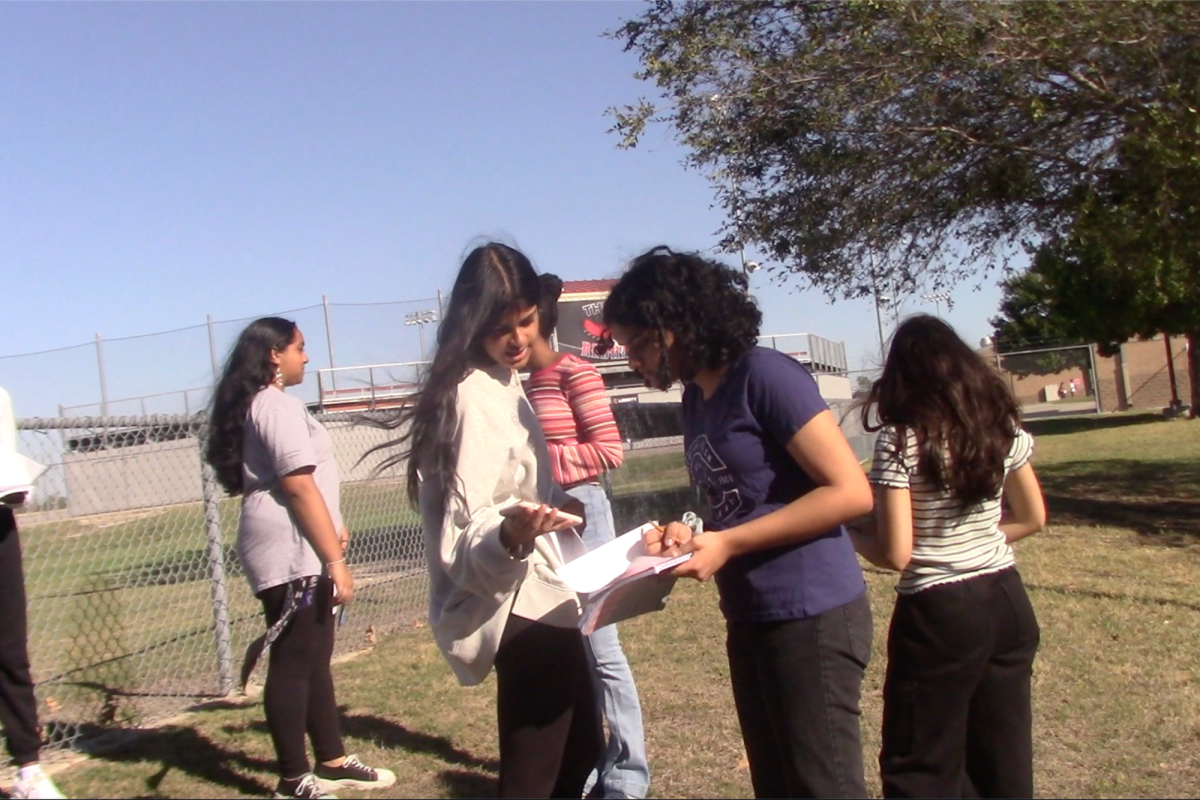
(748, 267)
(937, 298)
(880, 299)
(421, 319)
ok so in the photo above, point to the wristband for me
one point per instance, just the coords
(339, 561)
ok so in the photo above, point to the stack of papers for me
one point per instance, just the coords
(620, 580)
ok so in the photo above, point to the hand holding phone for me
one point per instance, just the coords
(524, 521)
(559, 517)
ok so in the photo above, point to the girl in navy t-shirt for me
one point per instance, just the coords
(781, 480)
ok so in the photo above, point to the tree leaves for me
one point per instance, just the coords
(913, 143)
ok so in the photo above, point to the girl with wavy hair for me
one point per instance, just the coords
(264, 445)
(957, 718)
(781, 480)
(474, 451)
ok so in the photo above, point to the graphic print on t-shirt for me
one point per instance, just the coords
(709, 472)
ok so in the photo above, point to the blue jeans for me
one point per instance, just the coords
(623, 770)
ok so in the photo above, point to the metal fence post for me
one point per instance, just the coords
(222, 631)
(212, 352)
(103, 383)
(329, 342)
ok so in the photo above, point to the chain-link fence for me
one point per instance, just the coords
(108, 377)
(138, 607)
(137, 602)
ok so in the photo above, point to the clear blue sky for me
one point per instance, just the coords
(164, 162)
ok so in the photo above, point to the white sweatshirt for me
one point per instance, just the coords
(474, 584)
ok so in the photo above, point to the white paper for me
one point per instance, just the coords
(627, 599)
(623, 557)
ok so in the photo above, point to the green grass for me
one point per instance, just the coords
(1140, 472)
(650, 471)
(1117, 705)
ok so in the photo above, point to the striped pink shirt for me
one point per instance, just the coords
(581, 434)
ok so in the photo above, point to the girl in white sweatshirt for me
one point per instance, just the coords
(495, 600)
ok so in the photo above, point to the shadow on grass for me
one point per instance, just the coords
(461, 783)
(185, 749)
(394, 736)
(1050, 426)
(1154, 498)
(1071, 591)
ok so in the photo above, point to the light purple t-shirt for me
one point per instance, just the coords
(281, 437)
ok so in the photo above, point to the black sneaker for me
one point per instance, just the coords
(354, 774)
(307, 787)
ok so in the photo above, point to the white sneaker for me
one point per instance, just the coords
(33, 784)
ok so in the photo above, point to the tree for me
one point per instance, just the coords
(1119, 275)
(1028, 322)
(835, 132)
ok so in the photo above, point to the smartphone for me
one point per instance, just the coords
(559, 514)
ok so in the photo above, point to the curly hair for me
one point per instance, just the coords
(701, 301)
(247, 370)
(961, 411)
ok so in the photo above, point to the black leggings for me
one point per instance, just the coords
(550, 734)
(18, 707)
(299, 694)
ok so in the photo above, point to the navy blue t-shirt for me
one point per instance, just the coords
(736, 444)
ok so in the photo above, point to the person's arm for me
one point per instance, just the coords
(312, 515)
(1028, 506)
(864, 533)
(842, 493)
(480, 549)
(599, 441)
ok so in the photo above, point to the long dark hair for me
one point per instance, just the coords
(552, 286)
(247, 370)
(963, 415)
(493, 280)
(702, 301)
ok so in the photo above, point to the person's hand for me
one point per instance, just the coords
(520, 527)
(575, 506)
(666, 540)
(339, 573)
(344, 539)
(709, 552)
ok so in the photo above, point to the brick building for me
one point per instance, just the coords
(1137, 377)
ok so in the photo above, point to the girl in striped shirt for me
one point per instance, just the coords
(568, 395)
(957, 720)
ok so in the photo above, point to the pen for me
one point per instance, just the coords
(662, 529)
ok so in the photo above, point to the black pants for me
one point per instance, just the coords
(299, 696)
(550, 734)
(18, 706)
(957, 720)
(797, 686)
